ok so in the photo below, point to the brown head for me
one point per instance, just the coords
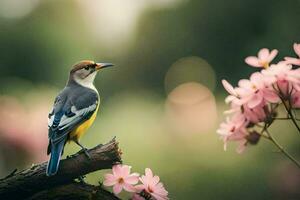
(84, 72)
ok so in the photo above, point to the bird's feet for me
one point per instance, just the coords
(85, 151)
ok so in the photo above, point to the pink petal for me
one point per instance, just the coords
(283, 62)
(139, 187)
(159, 189)
(297, 87)
(297, 48)
(125, 170)
(155, 180)
(257, 79)
(293, 61)
(255, 100)
(117, 170)
(158, 197)
(244, 83)
(284, 87)
(242, 146)
(230, 98)
(253, 61)
(237, 136)
(129, 188)
(263, 54)
(295, 73)
(272, 55)
(269, 80)
(109, 180)
(246, 98)
(117, 188)
(148, 172)
(238, 120)
(260, 113)
(228, 87)
(296, 100)
(225, 145)
(271, 96)
(132, 179)
(252, 117)
(221, 131)
(233, 110)
(144, 179)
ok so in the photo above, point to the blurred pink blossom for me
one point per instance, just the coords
(256, 90)
(152, 186)
(294, 61)
(256, 114)
(251, 92)
(234, 129)
(284, 76)
(263, 59)
(121, 179)
(25, 129)
(295, 99)
(234, 96)
(256, 100)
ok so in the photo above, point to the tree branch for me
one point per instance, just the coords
(75, 191)
(26, 183)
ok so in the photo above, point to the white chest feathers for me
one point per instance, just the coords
(87, 82)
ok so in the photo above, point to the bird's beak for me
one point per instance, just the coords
(103, 65)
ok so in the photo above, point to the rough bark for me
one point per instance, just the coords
(24, 184)
(74, 191)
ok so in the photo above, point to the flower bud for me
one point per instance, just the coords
(253, 137)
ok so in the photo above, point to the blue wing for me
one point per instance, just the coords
(71, 108)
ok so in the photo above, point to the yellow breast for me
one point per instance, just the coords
(81, 129)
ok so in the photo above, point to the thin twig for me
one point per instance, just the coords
(263, 130)
(281, 118)
(285, 118)
(290, 114)
(281, 149)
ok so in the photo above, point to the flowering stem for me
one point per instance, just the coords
(264, 128)
(273, 140)
(288, 110)
(284, 118)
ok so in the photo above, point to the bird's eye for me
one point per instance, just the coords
(87, 68)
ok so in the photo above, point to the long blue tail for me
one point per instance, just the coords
(56, 151)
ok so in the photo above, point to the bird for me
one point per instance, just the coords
(74, 111)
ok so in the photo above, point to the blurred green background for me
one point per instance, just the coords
(163, 100)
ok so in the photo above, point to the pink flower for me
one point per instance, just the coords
(263, 59)
(284, 76)
(256, 114)
(121, 179)
(257, 90)
(23, 128)
(241, 145)
(256, 100)
(233, 129)
(234, 96)
(295, 99)
(294, 61)
(152, 186)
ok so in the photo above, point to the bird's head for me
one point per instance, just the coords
(85, 71)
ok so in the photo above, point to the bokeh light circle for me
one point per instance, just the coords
(17, 8)
(191, 108)
(190, 69)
